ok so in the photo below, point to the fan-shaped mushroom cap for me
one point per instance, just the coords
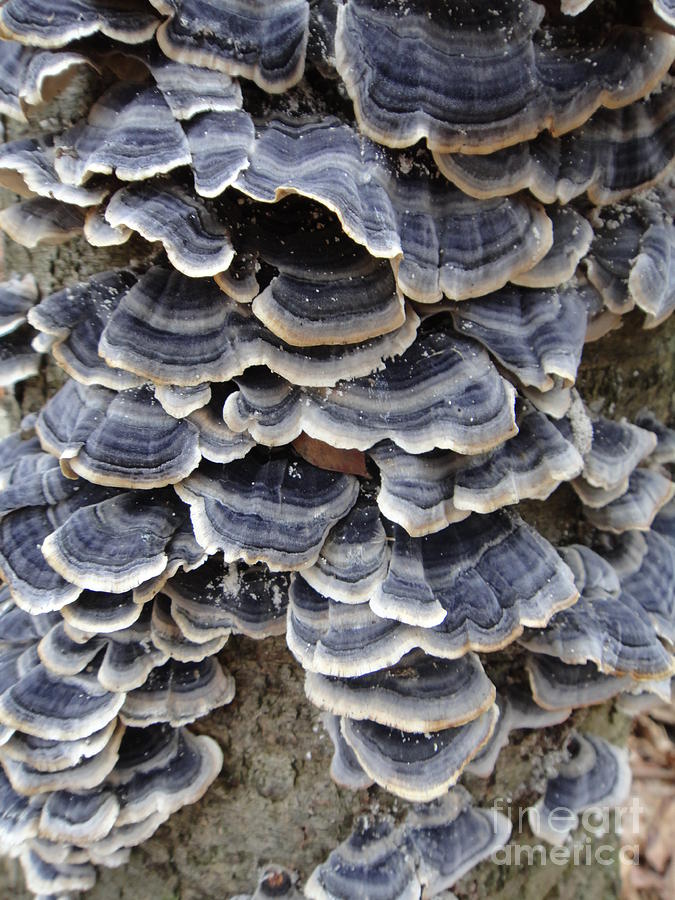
(130, 132)
(437, 843)
(74, 318)
(27, 167)
(572, 236)
(449, 837)
(100, 233)
(645, 563)
(635, 704)
(122, 440)
(556, 402)
(600, 320)
(63, 853)
(516, 710)
(417, 767)
(345, 298)
(240, 37)
(19, 819)
(216, 599)
(162, 768)
(169, 329)
(63, 655)
(178, 693)
(353, 560)
(534, 84)
(597, 774)
(449, 243)
(20, 453)
(52, 879)
(664, 523)
(128, 658)
(58, 854)
(344, 640)
(81, 818)
(652, 278)
(113, 850)
(117, 544)
(32, 478)
(345, 768)
(632, 260)
(239, 281)
(220, 145)
(217, 442)
(369, 860)
(17, 296)
(297, 503)
(181, 402)
(15, 662)
(597, 497)
(442, 392)
(574, 7)
(666, 10)
(41, 220)
(604, 626)
(29, 77)
(35, 586)
(33, 21)
(55, 756)
(556, 685)
(628, 552)
(616, 450)
(648, 490)
(101, 613)
(664, 453)
(190, 90)
(347, 640)
(593, 575)
(19, 629)
(168, 637)
(418, 694)
(88, 773)
(427, 576)
(5, 734)
(616, 152)
(425, 493)
(537, 335)
(195, 242)
(618, 230)
(183, 552)
(57, 707)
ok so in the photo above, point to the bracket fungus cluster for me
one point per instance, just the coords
(593, 774)
(376, 237)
